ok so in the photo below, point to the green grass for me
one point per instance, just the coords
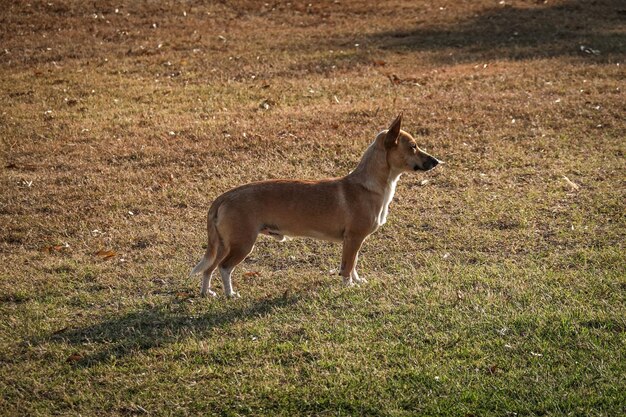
(495, 288)
(444, 339)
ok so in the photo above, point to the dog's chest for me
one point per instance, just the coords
(390, 190)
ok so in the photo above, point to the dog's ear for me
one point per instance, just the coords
(394, 131)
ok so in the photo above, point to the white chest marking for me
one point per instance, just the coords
(390, 190)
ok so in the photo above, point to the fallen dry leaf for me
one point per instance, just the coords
(588, 50)
(571, 183)
(74, 357)
(252, 274)
(183, 294)
(105, 254)
(394, 79)
(60, 330)
(56, 248)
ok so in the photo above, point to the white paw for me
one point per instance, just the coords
(234, 294)
(348, 283)
(355, 276)
(208, 293)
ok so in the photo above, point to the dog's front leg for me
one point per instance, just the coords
(351, 245)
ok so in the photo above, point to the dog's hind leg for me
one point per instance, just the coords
(207, 265)
(206, 281)
(235, 256)
(208, 273)
(226, 274)
(212, 257)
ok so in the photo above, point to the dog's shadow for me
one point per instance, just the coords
(119, 336)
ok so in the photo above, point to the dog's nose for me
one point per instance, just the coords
(430, 163)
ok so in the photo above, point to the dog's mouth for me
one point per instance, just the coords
(416, 167)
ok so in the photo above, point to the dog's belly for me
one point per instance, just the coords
(280, 233)
(272, 232)
(332, 237)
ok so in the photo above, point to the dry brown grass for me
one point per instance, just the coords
(121, 121)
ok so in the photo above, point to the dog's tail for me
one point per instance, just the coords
(201, 266)
(212, 246)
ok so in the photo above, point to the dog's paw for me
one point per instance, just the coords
(360, 281)
(234, 294)
(348, 283)
(208, 293)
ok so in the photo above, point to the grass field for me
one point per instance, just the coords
(497, 286)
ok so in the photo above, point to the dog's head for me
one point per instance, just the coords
(403, 154)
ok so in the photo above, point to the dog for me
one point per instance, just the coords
(346, 209)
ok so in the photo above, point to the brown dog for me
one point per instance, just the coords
(346, 209)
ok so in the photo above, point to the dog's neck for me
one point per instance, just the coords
(373, 171)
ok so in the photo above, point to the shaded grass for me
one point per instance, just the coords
(495, 287)
(478, 344)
